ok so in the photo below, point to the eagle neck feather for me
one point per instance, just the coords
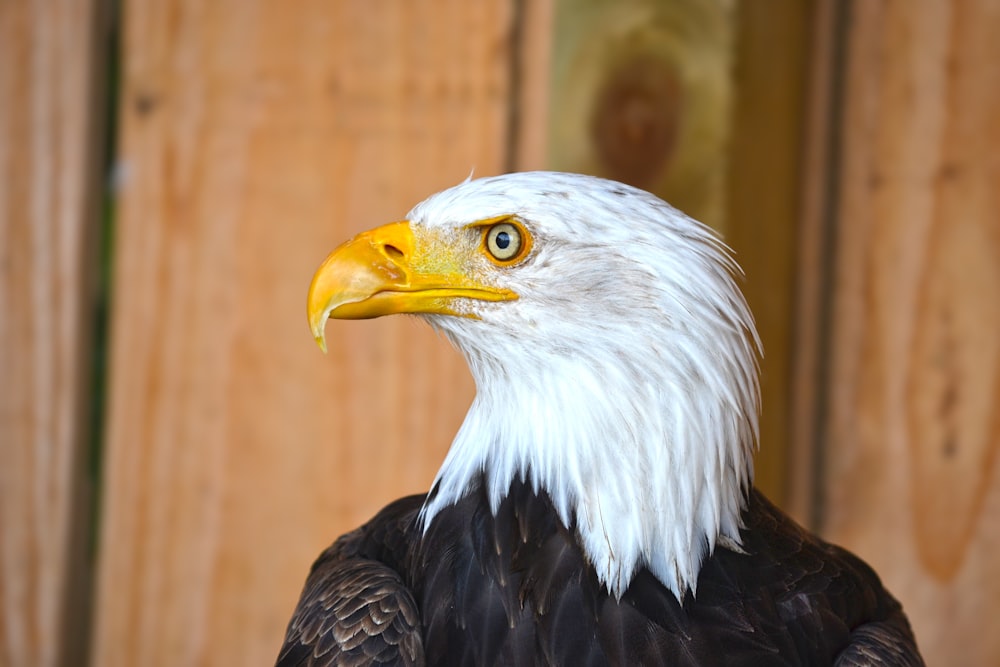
(649, 461)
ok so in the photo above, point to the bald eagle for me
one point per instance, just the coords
(596, 506)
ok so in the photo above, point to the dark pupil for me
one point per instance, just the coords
(503, 240)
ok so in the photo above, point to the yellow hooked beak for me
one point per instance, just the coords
(381, 272)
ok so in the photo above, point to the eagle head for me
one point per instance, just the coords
(614, 356)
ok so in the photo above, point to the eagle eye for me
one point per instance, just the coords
(506, 242)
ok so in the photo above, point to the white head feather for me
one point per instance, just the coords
(623, 381)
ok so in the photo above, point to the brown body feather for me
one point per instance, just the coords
(514, 588)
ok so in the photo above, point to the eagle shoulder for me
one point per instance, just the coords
(355, 608)
(827, 596)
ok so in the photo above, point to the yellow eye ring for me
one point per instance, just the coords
(506, 241)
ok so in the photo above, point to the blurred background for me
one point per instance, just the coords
(175, 451)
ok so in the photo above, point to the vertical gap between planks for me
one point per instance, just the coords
(530, 77)
(827, 127)
(79, 609)
(515, 74)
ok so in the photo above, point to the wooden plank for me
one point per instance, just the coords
(912, 472)
(48, 172)
(256, 137)
(761, 204)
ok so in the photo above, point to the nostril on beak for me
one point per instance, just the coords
(392, 251)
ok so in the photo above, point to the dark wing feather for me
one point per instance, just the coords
(355, 608)
(888, 642)
(353, 612)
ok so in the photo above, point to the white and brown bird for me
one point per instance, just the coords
(596, 506)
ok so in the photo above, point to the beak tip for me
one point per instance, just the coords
(318, 330)
(318, 317)
(321, 341)
(317, 327)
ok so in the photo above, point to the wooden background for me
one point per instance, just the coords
(160, 503)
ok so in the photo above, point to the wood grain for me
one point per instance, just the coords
(255, 138)
(48, 167)
(911, 466)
